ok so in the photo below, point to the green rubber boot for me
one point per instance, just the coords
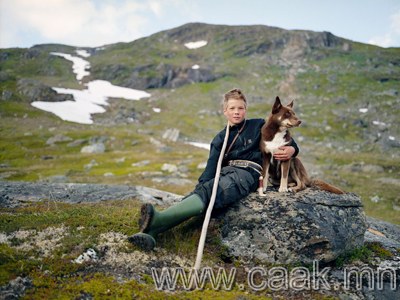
(153, 222)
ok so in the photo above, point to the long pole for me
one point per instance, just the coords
(211, 203)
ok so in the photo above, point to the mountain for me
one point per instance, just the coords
(345, 92)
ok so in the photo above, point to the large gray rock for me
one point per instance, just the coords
(34, 90)
(291, 228)
(17, 193)
(95, 148)
(384, 233)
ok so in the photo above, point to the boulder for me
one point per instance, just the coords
(18, 193)
(95, 148)
(59, 138)
(171, 134)
(291, 228)
(34, 90)
(384, 233)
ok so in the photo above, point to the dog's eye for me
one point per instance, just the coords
(287, 115)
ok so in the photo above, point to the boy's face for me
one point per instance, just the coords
(235, 111)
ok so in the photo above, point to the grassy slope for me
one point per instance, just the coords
(320, 85)
(53, 234)
(330, 86)
(24, 149)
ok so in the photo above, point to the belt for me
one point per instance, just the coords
(246, 164)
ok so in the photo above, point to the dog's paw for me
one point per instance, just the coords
(261, 193)
(283, 190)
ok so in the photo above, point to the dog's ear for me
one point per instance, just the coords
(290, 104)
(277, 105)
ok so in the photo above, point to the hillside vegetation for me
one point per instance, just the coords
(329, 78)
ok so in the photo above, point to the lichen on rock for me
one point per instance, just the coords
(291, 228)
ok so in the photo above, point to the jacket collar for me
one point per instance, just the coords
(237, 126)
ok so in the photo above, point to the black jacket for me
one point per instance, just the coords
(246, 147)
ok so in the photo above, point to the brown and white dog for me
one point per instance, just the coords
(275, 134)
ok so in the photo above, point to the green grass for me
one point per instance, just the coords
(55, 276)
(363, 254)
(83, 225)
(24, 152)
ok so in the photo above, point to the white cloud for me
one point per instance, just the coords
(382, 41)
(391, 38)
(395, 25)
(156, 7)
(75, 22)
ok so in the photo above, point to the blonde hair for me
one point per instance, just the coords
(234, 94)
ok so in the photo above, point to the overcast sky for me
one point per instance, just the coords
(92, 23)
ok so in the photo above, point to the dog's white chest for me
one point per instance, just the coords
(277, 141)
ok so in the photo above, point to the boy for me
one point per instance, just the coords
(240, 172)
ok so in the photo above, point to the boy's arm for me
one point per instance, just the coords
(296, 148)
(211, 167)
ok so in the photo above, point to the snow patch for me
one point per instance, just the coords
(82, 53)
(196, 45)
(79, 66)
(90, 100)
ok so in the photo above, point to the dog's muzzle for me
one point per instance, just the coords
(246, 164)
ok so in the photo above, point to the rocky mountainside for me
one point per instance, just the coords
(171, 64)
(346, 94)
(317, 69)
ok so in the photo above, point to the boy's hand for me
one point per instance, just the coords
(284, 153)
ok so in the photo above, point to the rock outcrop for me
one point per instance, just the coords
(16, 193)
(167, 76)
(34, 90)
(384, 233)
(291, 228)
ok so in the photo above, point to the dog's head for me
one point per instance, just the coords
(284, 115)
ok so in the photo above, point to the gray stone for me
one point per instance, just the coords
(59, 138)
(16, 193)
(291, 228)
(171, 134)
(95, 148)
(89, 166)
(16, 288)
(76, 143)
(384, 233)
(141, 163)
(170, 168)
(34, 90)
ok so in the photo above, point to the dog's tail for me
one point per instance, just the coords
(326, 186)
